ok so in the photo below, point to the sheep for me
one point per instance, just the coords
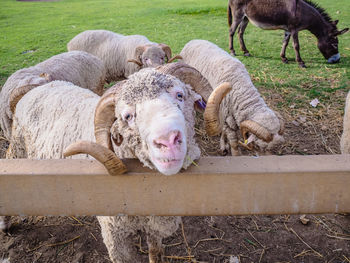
(117, 51)
(243, 108)
(78, 67)
(148, 116)
(345, 138)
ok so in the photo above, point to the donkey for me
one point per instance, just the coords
(290, 16)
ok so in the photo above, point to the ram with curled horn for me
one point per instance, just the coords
(243, 118)
(78, 67)
(122, 55)
(150, 116)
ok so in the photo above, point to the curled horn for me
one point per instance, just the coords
(166, 50)
(188, 75)
(18, 93)
(255, 128)
(105, 116)
(138, 53)
(174, 57)
(105, 156)
(211, 115)
(136, 62)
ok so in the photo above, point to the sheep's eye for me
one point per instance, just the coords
(128, 117)
(179, 96)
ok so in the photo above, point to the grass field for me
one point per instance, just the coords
(33, 31)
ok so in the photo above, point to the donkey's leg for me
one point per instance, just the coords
(237, 16)
(241, 30)
(233, 28)
(296, 49)
(284, 46)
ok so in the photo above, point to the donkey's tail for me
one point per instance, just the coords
(229, 14)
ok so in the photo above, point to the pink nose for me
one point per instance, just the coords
(169, 141)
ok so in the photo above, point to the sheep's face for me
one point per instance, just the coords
(153, 56)
(153, 122)
(263, 146)
(33, 79)
(274, 127)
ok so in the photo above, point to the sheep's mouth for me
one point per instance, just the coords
(168, 163)
(168, 166)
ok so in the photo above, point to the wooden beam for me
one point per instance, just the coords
(217, 186)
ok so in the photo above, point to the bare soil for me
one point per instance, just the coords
(231, 239)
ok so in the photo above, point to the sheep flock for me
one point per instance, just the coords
(59, 108)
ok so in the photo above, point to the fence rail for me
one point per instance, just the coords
(215, 186)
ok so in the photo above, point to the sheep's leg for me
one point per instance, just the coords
(118, 233)
(232, 140)
(224, 146)
(284, 47)
(4, 223)
(296, 49)
(241, 30)
(155, 249)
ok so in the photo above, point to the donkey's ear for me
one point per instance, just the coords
(335, 22)
(343, 31)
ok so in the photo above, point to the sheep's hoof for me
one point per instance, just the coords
(247, 54)
(224, 152)
(156, 255)
(302, 65)
(5, 224)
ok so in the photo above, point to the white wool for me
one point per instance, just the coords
(77, 67)
(52, 116)
(345, 138)
(113, 49)
(244, 102)
(49, 118)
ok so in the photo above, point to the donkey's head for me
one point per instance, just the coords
(328, 45)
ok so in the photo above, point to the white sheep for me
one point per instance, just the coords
(118, 52)
(150, 116)
(243, 108)
(345, 138)
(78, 67)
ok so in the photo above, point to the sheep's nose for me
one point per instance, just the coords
(169, 141)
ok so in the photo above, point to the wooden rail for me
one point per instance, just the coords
(217, 186)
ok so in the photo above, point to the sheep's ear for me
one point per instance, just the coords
(167, 50)
(46, 76)
(199, 103)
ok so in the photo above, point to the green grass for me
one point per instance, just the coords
(34, 31)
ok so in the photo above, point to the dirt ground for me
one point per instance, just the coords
(231, 239)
